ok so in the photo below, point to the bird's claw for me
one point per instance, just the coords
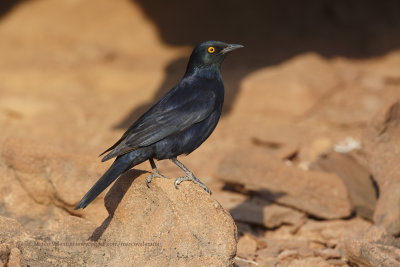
(155, 174)
(191, 178)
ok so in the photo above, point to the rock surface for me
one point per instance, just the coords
(160, 226)
(376, 248)
(189, 226)
(319, 194)
(299, 83)
(357, 179)
(48, 181)
(258, 211)
(382, 145)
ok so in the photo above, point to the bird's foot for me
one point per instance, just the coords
(193, 179)
(155, 174)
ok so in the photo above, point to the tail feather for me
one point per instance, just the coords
(120, 165)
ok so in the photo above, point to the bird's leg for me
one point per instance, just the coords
(189, 176)
(155, 173)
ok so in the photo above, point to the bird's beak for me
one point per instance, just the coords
(230, 48)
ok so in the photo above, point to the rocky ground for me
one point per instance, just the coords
(302, 166)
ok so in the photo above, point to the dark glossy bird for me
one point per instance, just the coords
(176, 124)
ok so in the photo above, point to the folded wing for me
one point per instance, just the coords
(166, 117)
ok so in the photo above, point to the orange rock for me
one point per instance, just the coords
(162, 224)
(332, 232)
(357, 179)
(246, 246)
(317, 193)
(382, 145)
(376, 249)
(186, 224)
(294, 83)
(307, 262)
(15, 259)
(262, 212)
(49, 181)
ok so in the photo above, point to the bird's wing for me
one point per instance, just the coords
(162, 121)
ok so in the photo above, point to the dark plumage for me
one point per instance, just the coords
(176, 124)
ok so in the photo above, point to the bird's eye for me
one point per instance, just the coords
(211, 49)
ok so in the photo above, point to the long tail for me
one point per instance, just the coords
(120, 165)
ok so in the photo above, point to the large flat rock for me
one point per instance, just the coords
(317, 193)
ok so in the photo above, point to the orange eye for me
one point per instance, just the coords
(211, 49)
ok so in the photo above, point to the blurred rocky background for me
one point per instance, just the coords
(304, 159)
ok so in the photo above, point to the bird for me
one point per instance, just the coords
(177, 124)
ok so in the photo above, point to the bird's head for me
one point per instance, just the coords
(210, 54)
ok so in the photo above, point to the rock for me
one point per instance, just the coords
(381, 141)
(64, 243)
(43, 182)
(246, 246)
(376, 248)
(320, 146)
(382, 145)
(279, 150)
(295, 83)
(337, 262)
(286, 152)
(11, 234)
(357, 179)
(153, 222)
(284, 249)
(162, 224)
(319, 194)
(15, 259)
(331, 232)
(307, 262)
(320, 234)
(187, 226)
(288, 254)
(243, 227)
(9, 228)
(257, 211)
(262, 212)
(351, 105)
(329, 253)
(378, 234)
